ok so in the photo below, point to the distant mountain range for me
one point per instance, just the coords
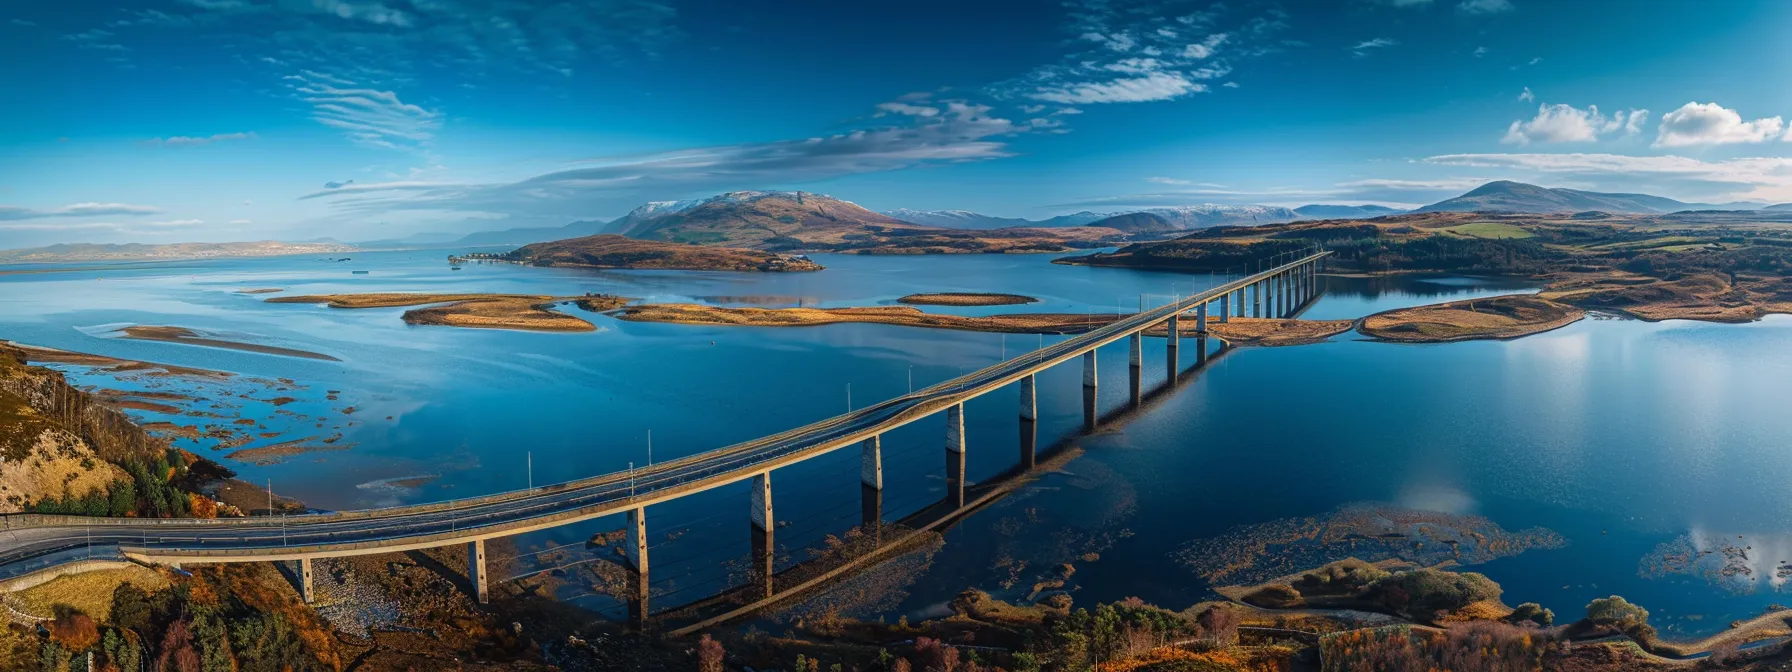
(139, 251)
(1508, 196)
(965, 219)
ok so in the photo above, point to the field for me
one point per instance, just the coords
(1489, 230)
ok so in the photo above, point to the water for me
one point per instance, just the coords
(1619, 435)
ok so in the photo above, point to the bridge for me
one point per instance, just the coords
(34, 548)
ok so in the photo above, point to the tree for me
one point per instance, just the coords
(1616, 611)
(709, 655)
(1531, 613)
(74, 630)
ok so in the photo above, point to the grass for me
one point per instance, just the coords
(1663, 241)
(1489, 230)
(91, 592)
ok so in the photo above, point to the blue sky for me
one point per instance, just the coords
(178, 120)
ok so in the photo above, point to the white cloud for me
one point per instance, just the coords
(1480, 51)
(1444, 184)
(1363, 48)
(1485, 6)
(368, 116)
(1566, 123)
(11, 213)
(190, 141)
(1712, 124)
(1153, 86)
(241, 221)
(1527, 96)
(907, 109)
(1205, 48)
(179, 222)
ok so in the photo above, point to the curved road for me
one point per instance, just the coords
(29, 543)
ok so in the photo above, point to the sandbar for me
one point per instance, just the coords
(1020, 323)
(1273, 332)
(189, 337)
(527, 312)
(1496, 318)
(966, 299)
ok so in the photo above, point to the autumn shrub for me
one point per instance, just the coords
(73, 630)
(1424, 593)
(1344, 577)
(709, 655)
(1533, 614)
(1275, 596)
(1480, 646)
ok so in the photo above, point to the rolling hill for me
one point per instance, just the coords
(763, 220)
(612, 251)
(1508, 196)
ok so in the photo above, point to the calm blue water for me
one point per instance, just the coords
(1619, 435)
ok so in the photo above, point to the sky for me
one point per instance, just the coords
(223, 120)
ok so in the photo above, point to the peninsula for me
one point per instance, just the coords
(187, 336)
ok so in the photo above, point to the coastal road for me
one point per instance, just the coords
(29, 543)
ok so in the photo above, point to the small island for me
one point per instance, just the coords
(1497, 318)
(187, 336)
(966, 299)
(614, 251)
(525, 312)
(1019, 323)
(1273, 332)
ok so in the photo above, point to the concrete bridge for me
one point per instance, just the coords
(33, 547)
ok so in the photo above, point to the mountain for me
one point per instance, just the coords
(958, 219)
(1319, 211)
(1507, 196)
(1136, 223)
(1209, 214)
(764, 220)
(1780, 206)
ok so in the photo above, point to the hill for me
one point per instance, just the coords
(1508, 196)
(614, 251)
(1320, 211)
(1136, 223)
(764, 220)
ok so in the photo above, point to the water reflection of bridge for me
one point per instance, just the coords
(41, 545)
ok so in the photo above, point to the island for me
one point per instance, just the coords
(1018, 323)
(1273, 332)
(1500, 317)
(966, 299)
(614, 251)
(525, 312)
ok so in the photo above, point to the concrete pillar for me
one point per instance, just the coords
(1135, 361)
(760, 513)
(871, 492)
(476, 569)
(1241, 291)
(1225, 307)
(305, 580)
(1257, 295)
(635, 551)
(955, 455)
(1201, 318)
(1089, 385)
(1029, 421)
(1200, 351)
(1175, 331)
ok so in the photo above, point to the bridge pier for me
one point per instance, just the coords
(871, 492)
(762, 559)
(1240, 293)
(1201, 318)
(1225, 307)
(1029, 421)
(476, 569)
(1089, 385)
(1135, 361)
(1200, 351)
(955, 455)
(1257, 294)
(305, 580)
(635, 551)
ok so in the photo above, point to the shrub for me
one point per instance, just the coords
(74, 630)
(1531, 613)
(1219, 624)
(1421, 593)
(935, 655)
(1344, 577)
(1616, 611)
(1275, 596)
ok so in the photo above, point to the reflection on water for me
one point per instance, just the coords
(1617, 435)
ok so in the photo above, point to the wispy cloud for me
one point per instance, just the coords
(1713, 124)
(13, 213)
(368, 116)
(96, 39)
(1365, 47)
(1481, 7)
(961, 132)
(195, 141)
